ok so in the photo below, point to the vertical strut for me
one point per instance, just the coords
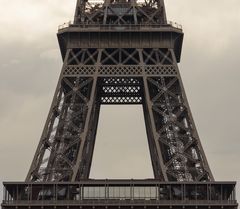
(161, 6)
(84, 158)
(79, 11)
(156, 156)
(79, 170)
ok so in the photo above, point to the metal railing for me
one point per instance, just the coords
(101, 202)
(121, 192)
(120, 26)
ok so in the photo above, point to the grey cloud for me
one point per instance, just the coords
(30, 65)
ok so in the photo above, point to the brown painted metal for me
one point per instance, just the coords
(119, 193)
(119, 52)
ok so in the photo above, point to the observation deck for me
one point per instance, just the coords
(70, 24)
(119, 193)
(168, 35)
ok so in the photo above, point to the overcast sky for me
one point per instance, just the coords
(30, 64)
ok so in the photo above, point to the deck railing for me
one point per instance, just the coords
(123, 192)
(123, 26)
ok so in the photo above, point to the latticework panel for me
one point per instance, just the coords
(120, 13)
(121, 100)
(120, 56)
(157, 56)
(77, 70)
(83, 56)
(111, 70)
(120, 62)
(163, 70)
(58, 149)
(120, 70)
(181, 151)
(92, 77)
(115, 90)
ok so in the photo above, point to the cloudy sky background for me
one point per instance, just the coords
(30, 64)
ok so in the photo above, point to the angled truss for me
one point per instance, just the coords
(148, 12)
(120, 56)
(94, 76)
(83, 57)
(179, 144)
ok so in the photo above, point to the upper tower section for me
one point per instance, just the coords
(120, 12)
(121, 24)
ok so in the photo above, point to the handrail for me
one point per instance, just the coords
(70, 24)
(124, 191)
(120, 202)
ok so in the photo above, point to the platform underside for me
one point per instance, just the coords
(125, 206)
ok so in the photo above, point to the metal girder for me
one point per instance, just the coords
(119, 76)
(119, 52)
(121, 193)
(120, 12)
(103, 73)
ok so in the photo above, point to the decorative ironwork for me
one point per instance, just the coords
(119, 52)
(163, 70)
(120, 70)
(75, 70)
(120, 193)
(120, 12)
(105, 75)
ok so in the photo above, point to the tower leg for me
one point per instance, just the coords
(65, 149)
(176, 151)
(82, 166)
(156, 156)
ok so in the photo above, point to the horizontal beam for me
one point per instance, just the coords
(121, 182)
(119, 192)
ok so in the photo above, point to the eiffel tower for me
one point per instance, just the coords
(119, 52)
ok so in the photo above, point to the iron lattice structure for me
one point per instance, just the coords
(119, 52)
